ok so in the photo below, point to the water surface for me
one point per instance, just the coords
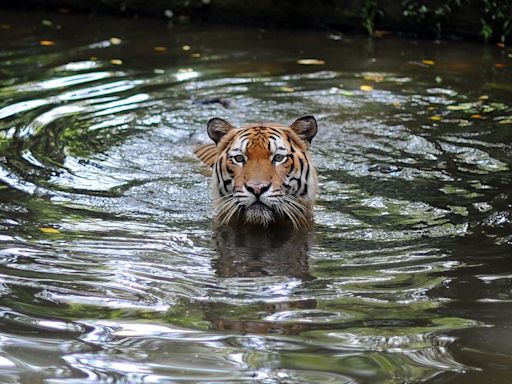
(110, 270)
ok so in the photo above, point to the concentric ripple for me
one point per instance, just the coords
(110, 270)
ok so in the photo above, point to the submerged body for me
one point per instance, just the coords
(262, 173)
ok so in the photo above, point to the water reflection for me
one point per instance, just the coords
(246, 252)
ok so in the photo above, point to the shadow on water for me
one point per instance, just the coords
(251, 253)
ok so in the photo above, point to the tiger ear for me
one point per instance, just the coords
(305, 127)
(207, 153)
(217, 128)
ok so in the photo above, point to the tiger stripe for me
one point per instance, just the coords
(262, 173)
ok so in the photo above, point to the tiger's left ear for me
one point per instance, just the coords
(305, 127)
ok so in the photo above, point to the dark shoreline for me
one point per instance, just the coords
(440, 19)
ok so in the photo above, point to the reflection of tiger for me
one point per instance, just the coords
(262, 173)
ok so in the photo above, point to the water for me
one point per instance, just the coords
(110, 270)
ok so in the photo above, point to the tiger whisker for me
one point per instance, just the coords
(227, 207)
(296, 210)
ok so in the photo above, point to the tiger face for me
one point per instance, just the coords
(262, 173)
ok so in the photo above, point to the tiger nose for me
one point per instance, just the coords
(257, 187)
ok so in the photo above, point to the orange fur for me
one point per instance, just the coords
(262, 173)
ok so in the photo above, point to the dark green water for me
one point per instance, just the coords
(406, 278)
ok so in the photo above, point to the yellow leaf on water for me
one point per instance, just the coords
(195, 55)
(483, 97)
(310, 62)
(159, 49)
(186, 48)
(366, 88)
(49, 230)
(436, 118)
(116, 61)
(499, 65)
(428, 62)
(115, 40)
(47, 43)
(476, 116)
(287, 89)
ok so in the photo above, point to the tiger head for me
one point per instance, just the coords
(262, 173)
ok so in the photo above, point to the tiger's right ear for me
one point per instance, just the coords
(217, 128)
(207, 153)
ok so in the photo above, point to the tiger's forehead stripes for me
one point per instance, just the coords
(260, 138)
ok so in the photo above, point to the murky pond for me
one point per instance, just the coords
(110, 270)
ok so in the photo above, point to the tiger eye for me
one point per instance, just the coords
(239, 158)
(278, 158)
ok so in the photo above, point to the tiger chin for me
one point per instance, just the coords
(262, 174)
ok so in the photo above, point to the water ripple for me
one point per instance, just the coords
(110, 269)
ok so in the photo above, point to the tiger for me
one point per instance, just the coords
(263, 173)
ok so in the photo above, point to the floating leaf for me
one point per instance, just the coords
(505, 121)
(310, 62)
(116, 61)
(428, 62)
(49, 230)
(47, 43)
(115, 40)
(195, 55)
(483, 97)
(47, 23)
(500, 45)
(287, 89)
(366, 88)
(185, 48)
(499, 65)
(159, 49)
(436, 118)
(476, 116)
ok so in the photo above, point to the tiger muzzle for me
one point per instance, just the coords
(257, 188)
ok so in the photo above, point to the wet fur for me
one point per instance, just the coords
(293, 182)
